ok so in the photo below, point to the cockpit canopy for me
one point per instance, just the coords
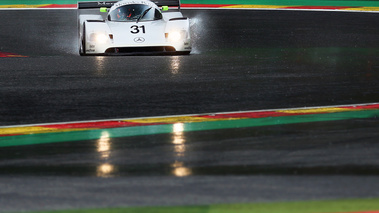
(134, 12)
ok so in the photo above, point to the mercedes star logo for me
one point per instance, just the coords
(139, 40)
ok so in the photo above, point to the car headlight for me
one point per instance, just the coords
(99, 38)
(175, 36)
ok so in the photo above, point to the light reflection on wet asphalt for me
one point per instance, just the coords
(336, 148)
(270, 60)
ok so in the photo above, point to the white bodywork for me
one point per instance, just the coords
(98, 35)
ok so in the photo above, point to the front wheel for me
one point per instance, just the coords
(81, 51)
(82, 48)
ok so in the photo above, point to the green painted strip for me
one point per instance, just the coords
(355, 3)
(353, 205)
(187, 127)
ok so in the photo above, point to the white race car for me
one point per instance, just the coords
(133, 26)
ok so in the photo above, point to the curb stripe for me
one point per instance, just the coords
(63, 132)
(81, 126)
(218, 6)
(254, 7)
(316, 8)
(205, 5)
(303, 7)
(368, 9)
(10, 55)
(74, 6)
(23, 6)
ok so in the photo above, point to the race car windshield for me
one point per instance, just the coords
(134, 12)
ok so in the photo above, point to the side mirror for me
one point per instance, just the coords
(103, 10)
(164, 8)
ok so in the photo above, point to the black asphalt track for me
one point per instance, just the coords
(242, 60)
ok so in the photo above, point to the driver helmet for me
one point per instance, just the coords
(120, 14)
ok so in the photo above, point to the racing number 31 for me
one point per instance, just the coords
(137, 29)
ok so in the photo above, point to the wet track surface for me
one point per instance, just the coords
(242, 60)
(271, 59)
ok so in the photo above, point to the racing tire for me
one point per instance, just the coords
(82, 49)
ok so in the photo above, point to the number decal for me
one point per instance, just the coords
(136, 29)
